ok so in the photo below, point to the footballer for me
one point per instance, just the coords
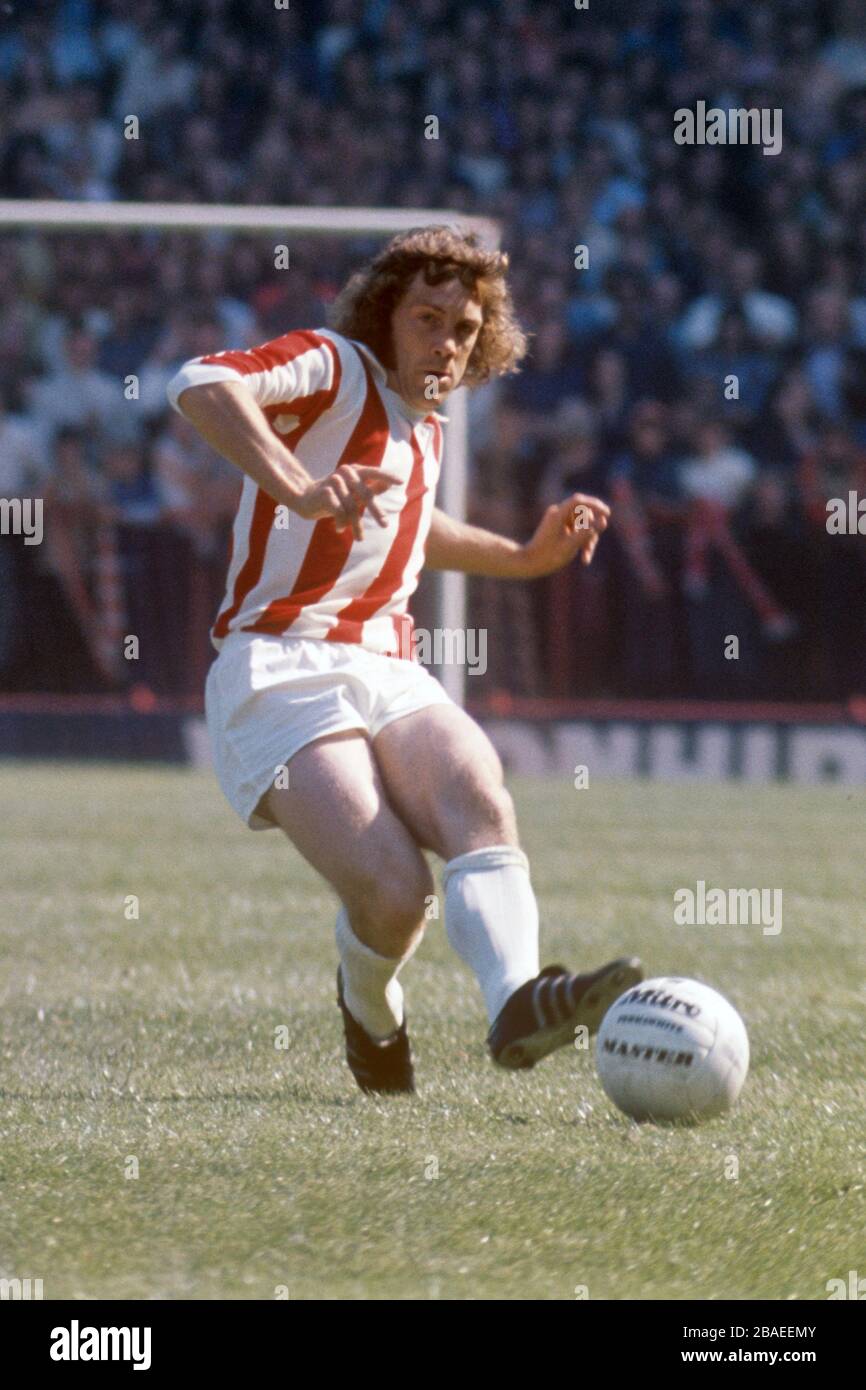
(336, 433)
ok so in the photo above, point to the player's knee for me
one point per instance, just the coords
(502, 815)
(486, 817)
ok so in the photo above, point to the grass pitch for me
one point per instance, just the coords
(157, 1143)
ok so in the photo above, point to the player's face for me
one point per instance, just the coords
(434, 329)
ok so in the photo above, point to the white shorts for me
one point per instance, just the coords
(267, 697)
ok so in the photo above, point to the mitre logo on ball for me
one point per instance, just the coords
(672, 1049)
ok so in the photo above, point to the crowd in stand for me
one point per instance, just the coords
(700, 364)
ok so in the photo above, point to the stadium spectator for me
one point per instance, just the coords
(130, 493)
(644, 492)
(826, 334)
(650, 366)
(77, 395)
(737, 373)
(771, 318)
(577, 609)
(718, 471)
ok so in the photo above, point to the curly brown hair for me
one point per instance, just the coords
(363, 308)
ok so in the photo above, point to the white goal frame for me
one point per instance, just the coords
(65, 216)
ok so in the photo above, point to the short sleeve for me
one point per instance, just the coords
(299, 368)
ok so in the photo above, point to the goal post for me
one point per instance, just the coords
(23, 214)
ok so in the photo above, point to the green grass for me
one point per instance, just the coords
(154, 1040)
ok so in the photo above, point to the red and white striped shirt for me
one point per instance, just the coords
(326, 398)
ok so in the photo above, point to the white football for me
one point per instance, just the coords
(672, 1049)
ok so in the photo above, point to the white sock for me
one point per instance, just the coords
(491, 918)
(373, 994)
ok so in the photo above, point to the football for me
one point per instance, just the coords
(672, 1049)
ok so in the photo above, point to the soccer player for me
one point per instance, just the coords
(321, 722)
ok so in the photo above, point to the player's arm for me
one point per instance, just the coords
(228, 417)
(566, 529)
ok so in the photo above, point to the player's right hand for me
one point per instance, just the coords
(344, 494)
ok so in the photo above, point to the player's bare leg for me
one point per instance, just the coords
(445, 781)
(336, 813)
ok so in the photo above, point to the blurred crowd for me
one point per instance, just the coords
(700, 365)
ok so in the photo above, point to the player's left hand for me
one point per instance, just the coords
(567, 529)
